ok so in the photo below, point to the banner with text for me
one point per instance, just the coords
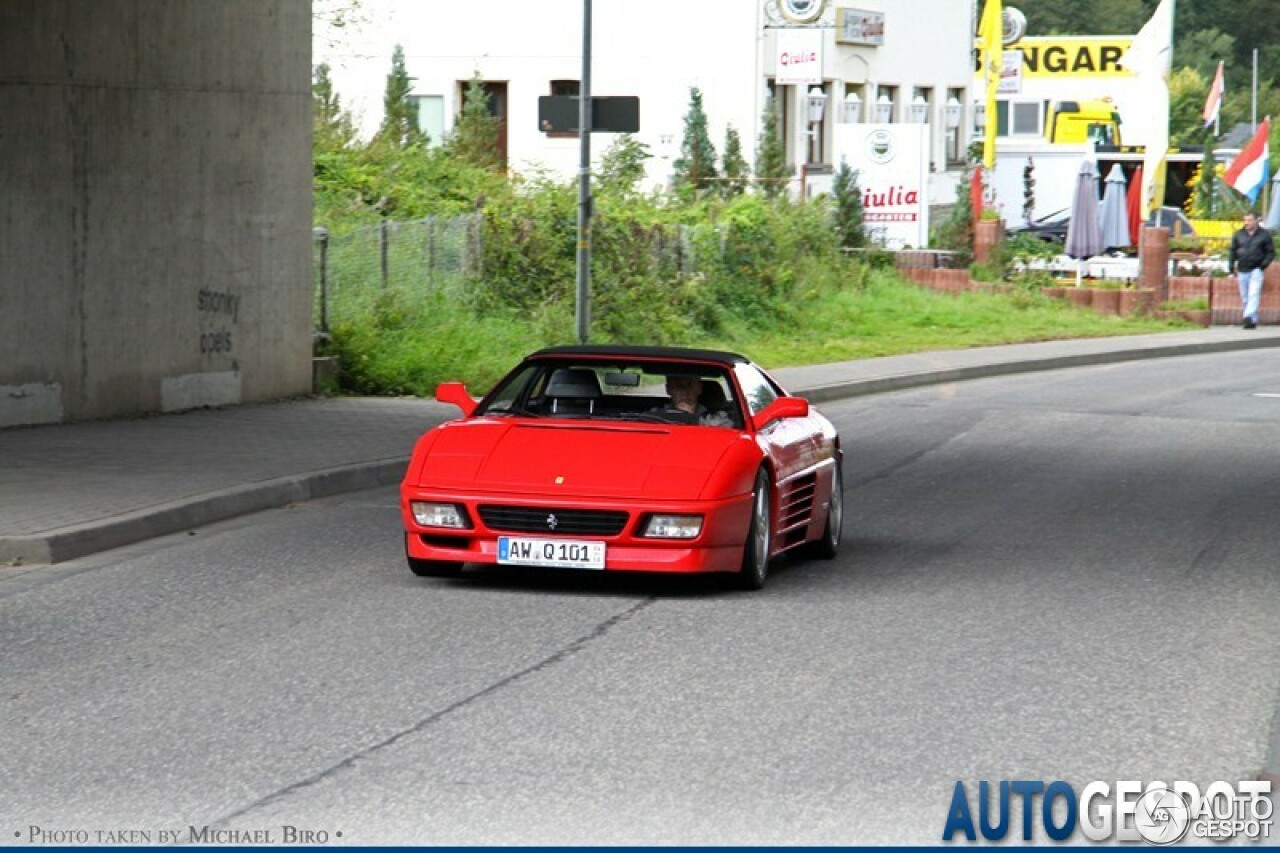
(799, 57)
(892, 161)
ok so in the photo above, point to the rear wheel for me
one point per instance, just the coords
(755, 554)
(432, 568)
(829, 545)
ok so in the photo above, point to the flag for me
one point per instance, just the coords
(1250, 171)
(991, 34)
(1213, 103)
(1148, 59)
(1152, 48)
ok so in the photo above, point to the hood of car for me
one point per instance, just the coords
(595, 459)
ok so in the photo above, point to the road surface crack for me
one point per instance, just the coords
(422, 725)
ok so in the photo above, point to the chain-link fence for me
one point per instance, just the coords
(432, 255)
(400, 263)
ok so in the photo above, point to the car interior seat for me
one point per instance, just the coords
(573, 391)
(714, 399)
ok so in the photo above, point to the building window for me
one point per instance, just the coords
(921, 111)
(855, 100)
(495, 101)
(430, 112)
(1019, 118)
(782, 112)
(922, 106)
(565, 88)
(1027, 120)
(886, 104)
(817, 131)
(780, 104)
(953, 111)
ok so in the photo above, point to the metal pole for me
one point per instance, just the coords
(431, 250)
(382, 250)
(584, 181)
(1253, 109)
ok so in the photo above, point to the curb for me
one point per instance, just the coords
(945, 375)
(79, 540)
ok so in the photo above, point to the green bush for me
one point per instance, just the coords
(749, 271)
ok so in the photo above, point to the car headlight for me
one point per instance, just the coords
(439, 515)
(672, 527)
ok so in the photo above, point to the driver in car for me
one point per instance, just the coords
(684, 405)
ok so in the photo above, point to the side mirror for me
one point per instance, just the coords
(783, 407)
(456, 393)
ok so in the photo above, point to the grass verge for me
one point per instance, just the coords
(837, 316)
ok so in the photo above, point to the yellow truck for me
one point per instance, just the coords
(1075, 122)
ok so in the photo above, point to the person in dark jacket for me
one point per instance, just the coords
(1252, 251)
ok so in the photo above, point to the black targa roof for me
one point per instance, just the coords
(646, 352)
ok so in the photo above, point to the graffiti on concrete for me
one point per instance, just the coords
(217, 308)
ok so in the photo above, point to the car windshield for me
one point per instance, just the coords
(621, 390)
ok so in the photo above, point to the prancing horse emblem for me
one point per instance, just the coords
(552, 521)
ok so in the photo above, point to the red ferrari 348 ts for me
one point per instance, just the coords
(625, 458)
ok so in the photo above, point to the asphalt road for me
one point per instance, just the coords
(1069, 575)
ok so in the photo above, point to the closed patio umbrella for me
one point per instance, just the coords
(1084, 237)
(1135, 206)
(1114, 214)
(1273, 215)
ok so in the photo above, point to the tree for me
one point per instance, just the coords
(399, 113)
(1084, 17)
(623, 165)
(695, 169)
(474, 140)
(1187, 92)
(1206, 191)
(736, 174)
(1203, 50)
(848, 212)
(333, 128)
(955, 233)
(772, 174)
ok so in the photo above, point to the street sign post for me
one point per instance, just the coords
(559, 114)
(556, 113)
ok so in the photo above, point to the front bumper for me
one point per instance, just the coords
(717, 548)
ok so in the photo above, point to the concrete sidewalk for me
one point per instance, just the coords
(68, 490)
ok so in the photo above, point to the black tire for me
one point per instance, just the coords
(755, 551)
(432, 568)
(828, 546)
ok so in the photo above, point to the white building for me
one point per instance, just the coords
(901, 61)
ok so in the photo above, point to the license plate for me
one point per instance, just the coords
(555, 553)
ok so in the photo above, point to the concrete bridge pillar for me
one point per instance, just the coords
(155, 217)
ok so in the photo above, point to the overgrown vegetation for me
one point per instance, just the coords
(710, 264)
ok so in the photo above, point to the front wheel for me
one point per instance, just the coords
(755, 553)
